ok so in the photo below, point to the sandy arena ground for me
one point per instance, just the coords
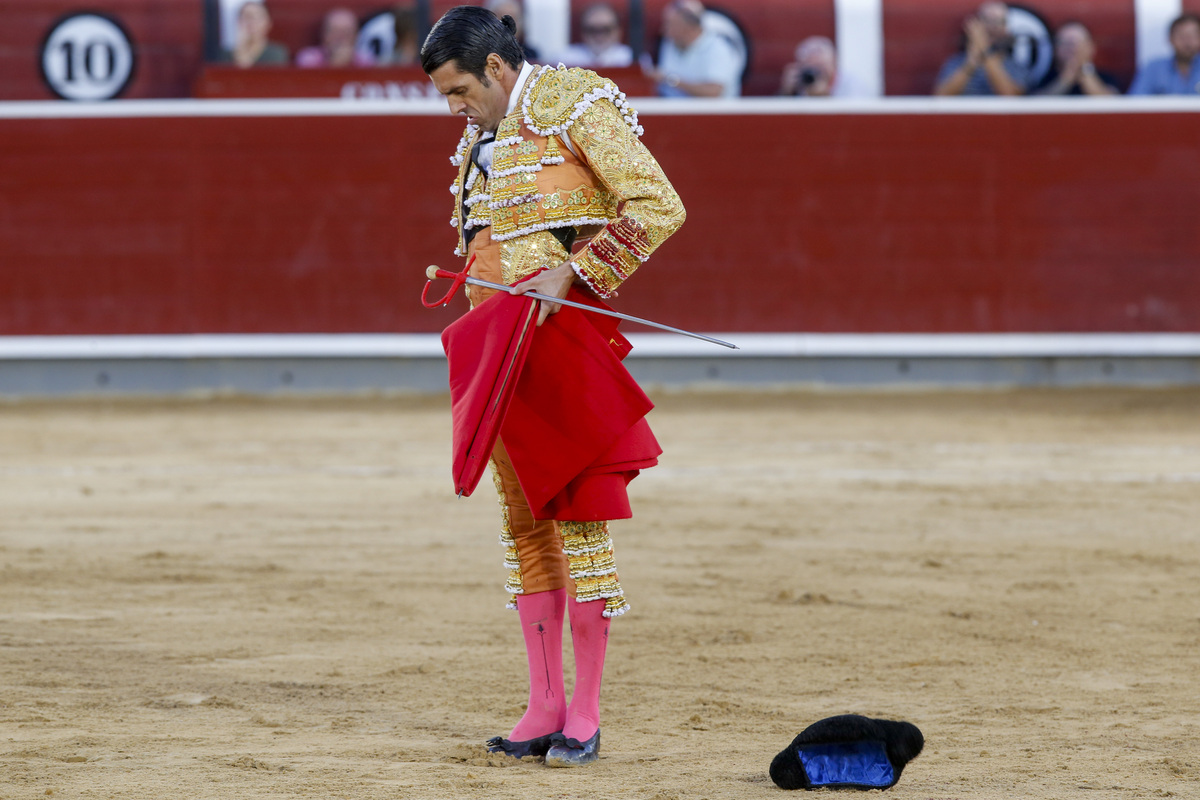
(276, 599)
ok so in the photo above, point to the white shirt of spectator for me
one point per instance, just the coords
(709, 59)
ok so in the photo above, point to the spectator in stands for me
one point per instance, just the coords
(252, 46)
(1178, 73)
(1073, 72)
(815, 73)
(407, 52)
(694, 62)
(339, 43)
(986, 66)
(516, 10)
(602, 46)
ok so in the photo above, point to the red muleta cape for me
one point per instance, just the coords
(571, 416)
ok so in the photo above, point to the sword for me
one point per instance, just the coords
(460, 278)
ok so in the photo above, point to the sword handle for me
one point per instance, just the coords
(433, 273)
(457, 279)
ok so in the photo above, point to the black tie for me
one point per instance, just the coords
(475, 154)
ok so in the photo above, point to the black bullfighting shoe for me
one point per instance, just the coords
(566, 752)
(529, 747)
(847, 752)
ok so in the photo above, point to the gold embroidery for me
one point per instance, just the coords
(605, 126)
(503, 158)
(527, 154)
(627, 169)
(520, 176)
(460, 195)
(579, 197)
(479, 215)
(509, 127)
(512, 561)
(554, 206)
(525, 255)
(504, 217)
(589, 551)
(559, 91)
(528, 215)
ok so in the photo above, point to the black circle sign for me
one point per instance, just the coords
(87, 56)
(1033, 46)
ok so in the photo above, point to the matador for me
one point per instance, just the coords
(554, 193)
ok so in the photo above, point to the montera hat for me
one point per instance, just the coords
(847, 752)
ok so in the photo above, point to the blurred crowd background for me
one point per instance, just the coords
(669, 48)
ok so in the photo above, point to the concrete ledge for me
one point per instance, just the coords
(347, 364)
(646, 345)
(646, 106)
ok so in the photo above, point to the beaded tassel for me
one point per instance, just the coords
(589, 551)
(552, 155)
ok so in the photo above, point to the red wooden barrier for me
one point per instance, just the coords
(816, 222)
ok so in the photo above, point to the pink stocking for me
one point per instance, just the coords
(589, 633)
(541, 623)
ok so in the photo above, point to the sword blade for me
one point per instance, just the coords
(606, 312)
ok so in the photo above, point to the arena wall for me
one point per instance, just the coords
(897, 216)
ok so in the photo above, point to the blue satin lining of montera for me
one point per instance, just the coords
(851, 763)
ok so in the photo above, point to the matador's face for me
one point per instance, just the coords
(483, 102)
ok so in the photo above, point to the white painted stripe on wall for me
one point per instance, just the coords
(648, 107)
(932, 345)
(151, 109)
(859, 26)
(414, 345)
(1153, 17)
(646, 345)
(1008, 106)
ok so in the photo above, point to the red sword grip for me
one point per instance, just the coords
(457, 279)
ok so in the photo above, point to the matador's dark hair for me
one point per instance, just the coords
(467, 35)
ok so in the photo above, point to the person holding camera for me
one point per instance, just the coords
(986, 66)
(815, 73)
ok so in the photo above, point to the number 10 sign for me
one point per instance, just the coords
(87, 57)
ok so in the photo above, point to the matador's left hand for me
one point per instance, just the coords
(554, 282)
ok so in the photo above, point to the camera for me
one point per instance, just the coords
(809, 76)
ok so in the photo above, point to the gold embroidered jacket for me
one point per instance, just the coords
(536, 184)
